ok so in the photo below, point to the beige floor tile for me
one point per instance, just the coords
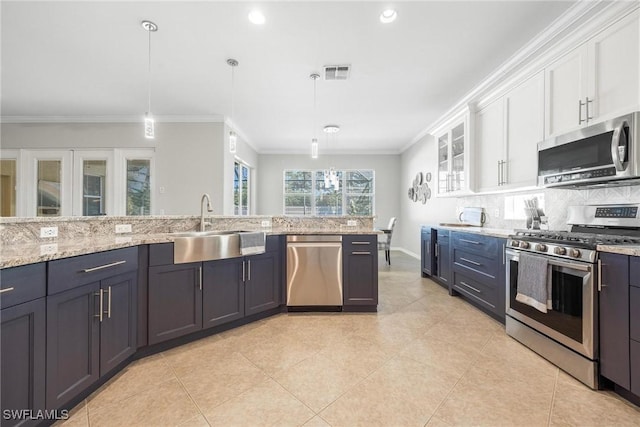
(317, 421)
(468, 336)
(483, 398)
(197, 421)
(437, 422)
(217, 383)
(78, 417)
(577, 405)
(141, 375)
(267, 404)
(317, 381)
(167, 404)
(358, 355)
(442, 355)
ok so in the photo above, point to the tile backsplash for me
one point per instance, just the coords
(557, 202)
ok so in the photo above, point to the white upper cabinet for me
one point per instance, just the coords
(507, 132)
(453, 156)
(596, 81)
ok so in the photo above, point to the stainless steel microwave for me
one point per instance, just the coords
(600, 154)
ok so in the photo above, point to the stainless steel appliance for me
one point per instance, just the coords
(603, 153)
(567, 334)
(314, 270)
(472, 216)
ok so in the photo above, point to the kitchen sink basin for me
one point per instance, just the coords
(196, 246)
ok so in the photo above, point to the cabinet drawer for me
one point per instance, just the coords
(634, 313)
(634, 271)
(482, 245)
(477, 291)
(477, 267)
(22, 284)
(360, 243)
(70, 273)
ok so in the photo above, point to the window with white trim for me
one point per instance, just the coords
(241, 188)
(311, 192)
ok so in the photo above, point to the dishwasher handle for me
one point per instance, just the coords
(315, 245)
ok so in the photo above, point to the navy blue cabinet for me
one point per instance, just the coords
(223, 291)
(478, 266)
(263, 279)
(360, 271)
(426, 252)
(91, 320)
(22, 334)
(443, 256)
(614, 319)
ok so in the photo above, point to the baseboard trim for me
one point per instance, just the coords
(406, 251)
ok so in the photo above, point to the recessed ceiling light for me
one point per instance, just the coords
(388, 15)
(331, 128)
(256, 17)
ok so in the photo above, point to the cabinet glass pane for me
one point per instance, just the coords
(138, 187)
(49, 181)
(457, 140)
(93, 187)
(8, 190)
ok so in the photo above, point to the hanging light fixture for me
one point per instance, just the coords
(233, 138)
(149, 123)
(331, 178)
(314, 141)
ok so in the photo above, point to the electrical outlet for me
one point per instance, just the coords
(48, 249)
(496, 213)
(266, 223)
(352, 223)
(123, 228)
(48, 232)
(161, 189)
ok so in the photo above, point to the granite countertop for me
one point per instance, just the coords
(633, 250)
(494, 232)
(29, 253)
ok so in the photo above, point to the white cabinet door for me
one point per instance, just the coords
(524, 115)
(614, 63)
(489, 138)
(566, 85)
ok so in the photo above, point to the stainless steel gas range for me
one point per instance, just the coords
(554, 308)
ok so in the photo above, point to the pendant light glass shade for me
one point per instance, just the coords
(233, 137)
(314, 148)
(233, 142)
(149, 123)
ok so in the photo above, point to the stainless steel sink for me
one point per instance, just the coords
(196, 246)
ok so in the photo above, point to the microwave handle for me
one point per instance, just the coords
(615, 145)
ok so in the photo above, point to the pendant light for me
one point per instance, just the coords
(314, 141)
(149, 123)
(331, 175)
(233, 138)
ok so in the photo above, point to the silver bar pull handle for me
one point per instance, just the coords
(469, 261)
(503, 254)
(249, 270)
(200, 277)
(360, 253)
(470, 287)
(499, 169)
(618, 152)
(473, 242)
(109, 303)
(586, 104)
(360, 243)
(600, 285)
(243, 270)
(113, 264)
(2, 291)
(100, 295)
(580, 119)
(437, 250)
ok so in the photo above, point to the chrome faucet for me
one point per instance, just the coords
(206, 197)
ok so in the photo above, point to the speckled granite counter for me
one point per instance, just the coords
(493, 232)
(17, 253)
(633, 250)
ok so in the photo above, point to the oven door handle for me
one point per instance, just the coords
(573, 266)
(616, 155)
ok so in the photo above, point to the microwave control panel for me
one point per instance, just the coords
(617, 212)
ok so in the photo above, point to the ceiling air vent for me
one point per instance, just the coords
(336, 72)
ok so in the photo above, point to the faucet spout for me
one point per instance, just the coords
(206, 197)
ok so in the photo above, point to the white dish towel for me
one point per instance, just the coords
(534, 284)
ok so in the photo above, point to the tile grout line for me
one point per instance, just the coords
(553, 396)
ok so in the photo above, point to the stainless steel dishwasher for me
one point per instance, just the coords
(314, 270)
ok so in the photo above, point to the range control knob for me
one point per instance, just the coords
(515, 243)
(541, 247)
(559, 250)
(574, 253)
(524, 245)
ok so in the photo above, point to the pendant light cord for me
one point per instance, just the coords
(233, 91)
(149, 76)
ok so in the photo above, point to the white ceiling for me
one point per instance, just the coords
(89, 59)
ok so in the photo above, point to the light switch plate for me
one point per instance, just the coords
(352, 223)
(266, 223)
(48, 232)
(496, 213)
(123, 228)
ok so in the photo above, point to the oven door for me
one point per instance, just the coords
(571, 321)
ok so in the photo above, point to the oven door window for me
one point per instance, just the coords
(566, 315)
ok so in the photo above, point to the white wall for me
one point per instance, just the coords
(420, 157)
(191, 158)
(387, 180)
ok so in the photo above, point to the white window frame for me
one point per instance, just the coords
(30, 167)
(249, 174)
(6, 154)
(343, 187)
(78, 185)
(120, 176)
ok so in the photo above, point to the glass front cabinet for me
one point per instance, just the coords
(453, 142)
